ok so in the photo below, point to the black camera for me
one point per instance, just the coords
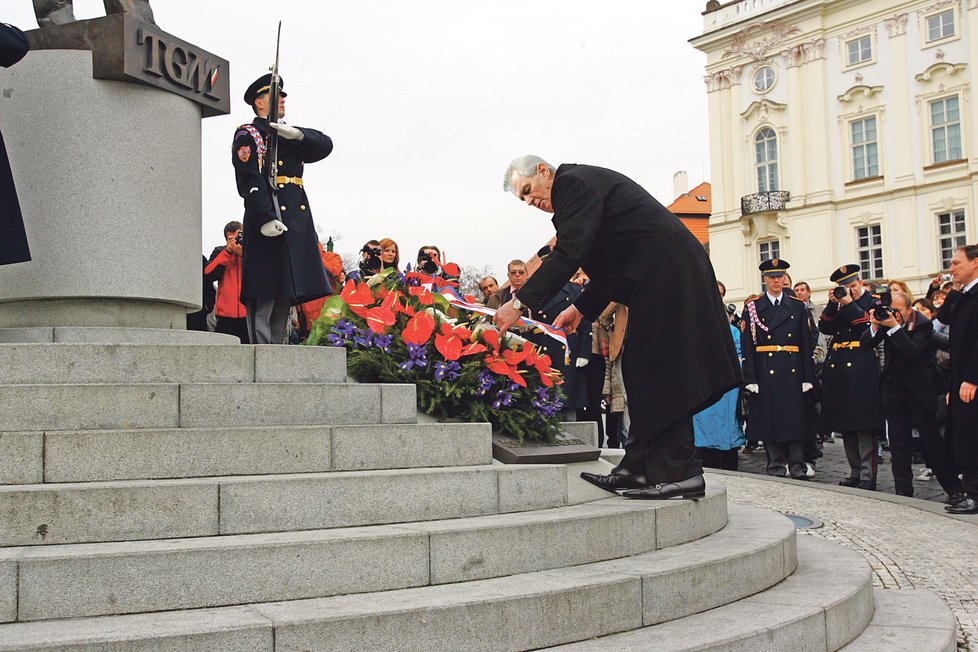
(840, 292)
(427, 263)
(370, 263)
(882, 293)
(240, 237)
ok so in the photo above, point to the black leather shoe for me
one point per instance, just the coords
(615, 481)
(868, 486)
(691, 488)
(955, 498)
(966, 506)
(849, 482)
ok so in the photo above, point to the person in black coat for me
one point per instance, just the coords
(679, 356)
(13, 236)
(960, 312)
(779, 371)
(282, 266)
(909, 382)
(851, 401)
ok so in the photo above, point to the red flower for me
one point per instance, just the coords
(449, 341)
(379, 318)
(473, 348)
(491, 338)
(500, 366)
(358, 297)
(418, 329)
(423, 295)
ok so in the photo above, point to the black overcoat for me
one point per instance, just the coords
(960, 312)
(909, 371)
(13, 236)
(780, 411)
(638, 253)
(287, 266)
(850, 378)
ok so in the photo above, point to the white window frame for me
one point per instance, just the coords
(865, 145)
(849, 64)
(758, 70)
(943, 38)
(870, 255)
(953, 239)
(932, 130)
(767, 163)
(773, 248)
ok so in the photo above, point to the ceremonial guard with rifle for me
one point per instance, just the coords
(281, 262)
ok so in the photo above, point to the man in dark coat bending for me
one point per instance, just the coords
(678, 356)
(281, 263)
(13, 236)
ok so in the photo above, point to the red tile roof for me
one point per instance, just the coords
(693, 209)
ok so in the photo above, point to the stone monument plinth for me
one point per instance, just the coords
(109, 178)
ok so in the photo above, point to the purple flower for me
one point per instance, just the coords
(345, 328)
(447, 370)
(361, 338)
(416, 357)
(503, 399)
(545, 404)
(486, 380)
(335, 340)
(383, 342)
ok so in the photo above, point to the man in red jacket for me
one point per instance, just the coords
(224, 267)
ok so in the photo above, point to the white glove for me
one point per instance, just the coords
(805, 387)
(753, 388)
(581, 362)
(273, 228)
(287, 132)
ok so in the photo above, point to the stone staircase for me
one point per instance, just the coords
(214, 497)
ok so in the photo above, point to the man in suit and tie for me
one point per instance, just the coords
(779, 371)
(960, 312)
(909, 386)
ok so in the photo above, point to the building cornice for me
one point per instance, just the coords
(859, 92)
(941, 69)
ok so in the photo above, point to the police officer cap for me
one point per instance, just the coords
(774, 267)
(845, 274)
(261, 85)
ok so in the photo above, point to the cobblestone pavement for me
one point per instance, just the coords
(908, 547)
(832, 467)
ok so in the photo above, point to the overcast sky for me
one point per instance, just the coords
(428, 101)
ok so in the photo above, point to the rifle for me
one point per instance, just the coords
(271, 139)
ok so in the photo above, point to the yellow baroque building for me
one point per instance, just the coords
(840, 131)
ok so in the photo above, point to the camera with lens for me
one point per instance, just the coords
(882, 311)
(239, 238)
(840, 292)
(370, 262)
(428, 263)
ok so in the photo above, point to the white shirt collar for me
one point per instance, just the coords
(773, 298)
(970, 285)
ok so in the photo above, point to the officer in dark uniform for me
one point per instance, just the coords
(779, 372)
(281, 262)
(13, 237)
(851, 401)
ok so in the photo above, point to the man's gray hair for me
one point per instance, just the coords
(525, 166)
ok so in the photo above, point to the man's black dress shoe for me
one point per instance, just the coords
(966, 506)
(869, 486)
(955, 498)
(694, 487)
(615, 481)
(849, 482)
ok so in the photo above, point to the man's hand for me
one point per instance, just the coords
(887, 323)
(753, 388)
(506, 316)
(846, 300)
(568, 319)
(288, 132)
(967, 392)
(581, 362)
(806, 387)
(273, 228)
(233, 248)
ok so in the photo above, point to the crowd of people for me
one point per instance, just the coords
(872, 364)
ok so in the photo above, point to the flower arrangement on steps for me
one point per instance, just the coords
(397, 328)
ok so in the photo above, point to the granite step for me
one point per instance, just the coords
(156, 405)
(161, 453)
(46, 514)
(908, 620)
(134, 577)
(60, 364)
(515, 612)
(824, 605)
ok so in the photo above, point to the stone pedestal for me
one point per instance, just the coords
(109, 179)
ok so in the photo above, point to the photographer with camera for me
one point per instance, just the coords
(851, 401)
(224, 266)
(370, 262)
(910, 385)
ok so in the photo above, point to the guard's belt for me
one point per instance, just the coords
(281, 181)
(846, 345)
(772, 348)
